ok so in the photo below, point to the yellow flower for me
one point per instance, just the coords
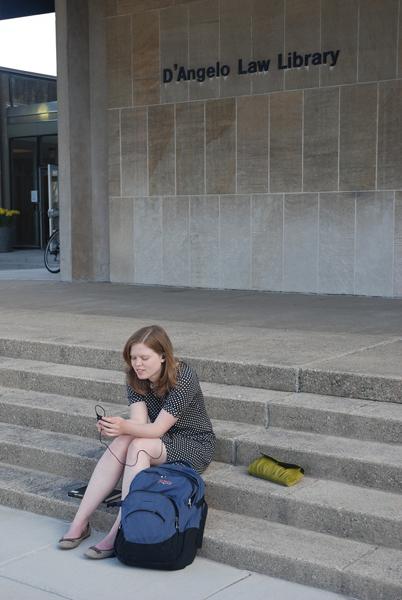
(5, 212)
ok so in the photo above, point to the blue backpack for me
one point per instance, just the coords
(162, 518)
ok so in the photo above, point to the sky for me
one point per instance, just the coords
(29, 44)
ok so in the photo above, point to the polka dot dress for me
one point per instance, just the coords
(191, 439)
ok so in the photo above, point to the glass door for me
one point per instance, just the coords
(49, 190)
(24, 191)
(49, 201)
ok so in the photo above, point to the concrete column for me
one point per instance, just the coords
(82, 140)
(4, 147)
(99, 141)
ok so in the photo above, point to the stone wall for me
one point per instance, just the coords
(288, 179)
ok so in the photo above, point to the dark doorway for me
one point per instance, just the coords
(29, 160)
(24, 194)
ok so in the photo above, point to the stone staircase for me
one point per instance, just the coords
(339, 529)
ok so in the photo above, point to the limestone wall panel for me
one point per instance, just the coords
(286, 145)
(176, 240)
(148, 240)
(220, 146)
(127, 7)
(134, 152)
(121, 240)
(161, 150)
(336, 243)
(145, 59)
(204, 45)
(268, 36)
(399, 57)
(320, 144)
(235, 43)
(390, 135)
(302, 35)
(267, 241)
(235, 242)
(300, 243)
(398, 245)
(252, 144)
(378, 30)
(111, 8)
(114, 152)
(190, 148)
(358, 137)
(374, 243)
(174, 50)
(204, 241)
(118, 62)
(339, 25)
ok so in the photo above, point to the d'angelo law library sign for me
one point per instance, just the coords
(293, 60)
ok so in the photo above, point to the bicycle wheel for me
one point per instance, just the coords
(52, 253)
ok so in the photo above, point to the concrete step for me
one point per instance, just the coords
(348, 567)
(327, 506)
(103, 385)
(274, 376)
(62, 454)
(46, 493)
(346, 417)
(333, 507)
(53, 412)
(359, 462)
(253, 375)
(61, 352)
(354, 385)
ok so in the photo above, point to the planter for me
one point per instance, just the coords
(6, 238)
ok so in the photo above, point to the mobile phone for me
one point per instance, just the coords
(78, 492)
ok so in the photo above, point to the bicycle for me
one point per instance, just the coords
(52, 253)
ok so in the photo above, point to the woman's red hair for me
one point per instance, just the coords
(155, 338)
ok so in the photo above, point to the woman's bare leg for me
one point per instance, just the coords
(103, 480)
(156, 449)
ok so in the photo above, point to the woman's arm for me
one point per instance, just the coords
(136, 426)
(174, 405)
(139, 412)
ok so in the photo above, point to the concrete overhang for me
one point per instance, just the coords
(12, 9)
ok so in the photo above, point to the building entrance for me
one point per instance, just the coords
(33, 162)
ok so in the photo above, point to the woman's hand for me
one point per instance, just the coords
(112, 426)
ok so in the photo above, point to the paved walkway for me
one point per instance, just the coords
(32, 568)
(22, 260)
(341, 333)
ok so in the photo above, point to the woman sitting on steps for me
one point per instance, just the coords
(168, 423)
